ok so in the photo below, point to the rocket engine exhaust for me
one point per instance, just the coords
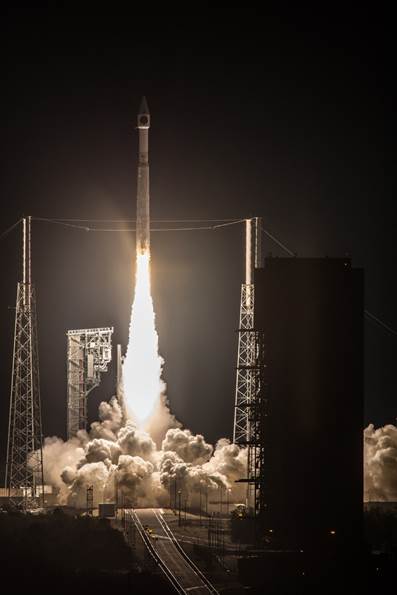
(142, 383)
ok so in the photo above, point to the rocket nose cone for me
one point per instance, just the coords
(144, 109)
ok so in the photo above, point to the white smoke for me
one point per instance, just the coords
(190, 448)
(59, 457)
(229, 460)
(191, 465)
(380, 463)
(112, 418)
(123, 463)
(101, 450)
(136, 442)
(90, 474)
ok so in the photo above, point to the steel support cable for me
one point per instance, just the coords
(226, 223)
(124, 229)
(62, 223)
(9, 229)
(278, 242)
(367, 313)
(207, 227)
(371, 316)
(134, 220)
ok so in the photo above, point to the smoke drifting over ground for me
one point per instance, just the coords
(380, 463)
(124, 463)
(117, 456)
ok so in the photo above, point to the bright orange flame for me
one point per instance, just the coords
(142, 366)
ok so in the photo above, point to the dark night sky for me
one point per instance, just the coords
(251, 115)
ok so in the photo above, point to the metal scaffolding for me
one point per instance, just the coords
(89, 352)
(24, 467)
(245, 380)
(247, 356)
(258, 418)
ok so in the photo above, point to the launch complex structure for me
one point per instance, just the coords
(24, 465)
(89, 352)
(250, 395)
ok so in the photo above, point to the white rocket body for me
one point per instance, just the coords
(142, 203)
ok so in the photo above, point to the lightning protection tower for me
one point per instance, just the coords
(24, 467)
(89, 352)
(247, 357)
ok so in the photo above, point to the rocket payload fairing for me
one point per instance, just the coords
(142, 201)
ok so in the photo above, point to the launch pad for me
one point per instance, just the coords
(89, 351)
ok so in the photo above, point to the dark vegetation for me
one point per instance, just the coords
(56, 553)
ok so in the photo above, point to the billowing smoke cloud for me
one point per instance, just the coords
(191, 465)
(59, 456)
(190, 448)
(123, 463)
(112, 418)
(380, 463)
(229, 460)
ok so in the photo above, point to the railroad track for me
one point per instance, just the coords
(170, 534)
(163, 566)
(178, 567)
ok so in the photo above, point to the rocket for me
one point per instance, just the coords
(142, 199)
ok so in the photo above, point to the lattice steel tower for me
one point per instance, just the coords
(247, 358)
(24, 469)
(88, 353)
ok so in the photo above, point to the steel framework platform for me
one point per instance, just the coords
(89, 352)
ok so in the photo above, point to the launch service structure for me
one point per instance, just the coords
(89, 351)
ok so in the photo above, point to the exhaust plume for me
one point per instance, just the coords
(142, 366)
